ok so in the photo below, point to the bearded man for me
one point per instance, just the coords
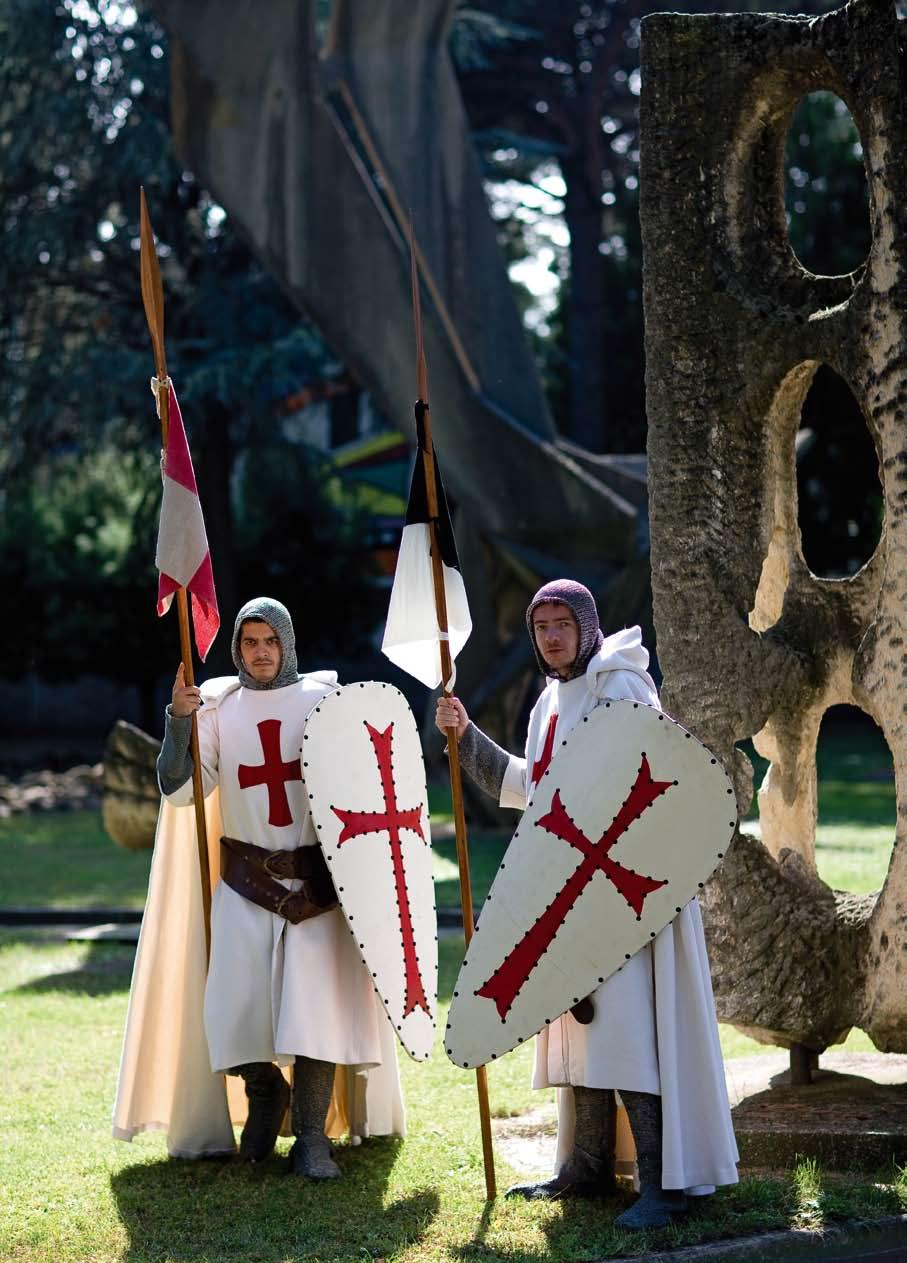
(649, 1031)
(285, 985)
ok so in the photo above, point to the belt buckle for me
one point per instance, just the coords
(291, 894)
(273, 872)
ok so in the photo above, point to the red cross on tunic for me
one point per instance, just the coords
(392, 820)
(274, 772)
(506, 982)
(540, 766)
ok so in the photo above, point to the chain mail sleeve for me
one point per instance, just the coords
(174, 763)
(483, 760)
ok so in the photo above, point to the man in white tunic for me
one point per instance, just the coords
(286, 985)
(649, 1031)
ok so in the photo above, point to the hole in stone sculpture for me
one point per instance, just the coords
(839, 494)
(857, 801)
(857, 807)
(826, 199)
(783, 421)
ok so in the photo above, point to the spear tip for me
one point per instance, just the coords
(421, 367)
(152, 288)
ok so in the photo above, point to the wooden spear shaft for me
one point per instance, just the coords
(153, 299)
(456, 785)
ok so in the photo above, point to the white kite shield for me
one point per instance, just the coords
(625, 827)
(365, 780)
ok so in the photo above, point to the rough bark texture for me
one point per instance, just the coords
(131, 798)
(750, 641)
(319, 148)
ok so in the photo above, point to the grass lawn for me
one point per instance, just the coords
(64, 859)
(71, 1194)
(857, 803)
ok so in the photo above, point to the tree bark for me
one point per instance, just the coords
(588, 408)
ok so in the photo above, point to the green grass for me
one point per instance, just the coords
(65, 859)
(69, 1192)
(486, 849)
(857, 805)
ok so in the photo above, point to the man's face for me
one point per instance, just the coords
(556, 635)
(259, 648)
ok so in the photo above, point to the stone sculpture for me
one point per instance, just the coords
(752, 643)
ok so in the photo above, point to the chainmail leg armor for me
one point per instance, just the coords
(589, 1170)
(596, 1120)
(483, 760)
(313, 1082)
(268, 1096)
(656, 1206)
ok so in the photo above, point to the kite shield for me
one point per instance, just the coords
(626, 825)
(365, 780)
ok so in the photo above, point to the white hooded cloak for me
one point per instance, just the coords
(273, 990)
(654, 1028)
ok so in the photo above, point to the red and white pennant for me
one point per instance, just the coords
(183, 557)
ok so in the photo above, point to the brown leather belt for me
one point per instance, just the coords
(251, 871)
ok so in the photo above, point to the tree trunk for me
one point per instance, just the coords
(586, 319)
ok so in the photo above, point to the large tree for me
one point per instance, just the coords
(84, 121)
(557, 82)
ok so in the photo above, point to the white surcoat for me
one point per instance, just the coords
(275, 990)
(654, 1028)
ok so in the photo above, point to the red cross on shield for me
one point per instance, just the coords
(363, 769)
(627, 822)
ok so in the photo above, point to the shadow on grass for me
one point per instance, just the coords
(187, 1212)
(802, 1198)
(104, 970)
(585, 1229)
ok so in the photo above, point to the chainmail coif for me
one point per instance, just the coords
(581, 604)
(265, 609)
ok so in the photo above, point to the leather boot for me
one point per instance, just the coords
(313, 1082)
(655, 1206)
(589, 1170)
(268, 1096)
